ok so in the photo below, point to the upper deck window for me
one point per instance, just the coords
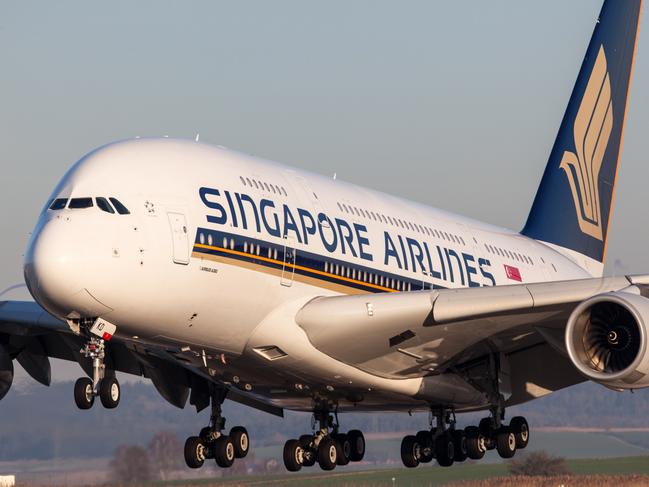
(121, 209)
(78, 203)
(58, 204)
(104, 205)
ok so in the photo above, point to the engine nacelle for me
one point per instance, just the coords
(606, 338)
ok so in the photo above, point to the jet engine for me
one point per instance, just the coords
(606, 338)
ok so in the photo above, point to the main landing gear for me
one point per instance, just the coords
(447, 444)
(327, 446)
(211, 442)
(102, 385)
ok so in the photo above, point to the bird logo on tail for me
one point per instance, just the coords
(592, 130)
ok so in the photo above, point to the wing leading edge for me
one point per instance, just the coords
(411, 334)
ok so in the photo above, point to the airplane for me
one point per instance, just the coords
(218, 275)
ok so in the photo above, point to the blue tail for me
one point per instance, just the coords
(572, 206)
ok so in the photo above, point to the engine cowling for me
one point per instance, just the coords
(606, 338)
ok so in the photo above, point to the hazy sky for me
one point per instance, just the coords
(454, 104)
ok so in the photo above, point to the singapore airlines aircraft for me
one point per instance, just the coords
(223, 276)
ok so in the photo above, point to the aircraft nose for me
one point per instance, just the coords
(57, 270)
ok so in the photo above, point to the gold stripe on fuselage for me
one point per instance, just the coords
(314, 281)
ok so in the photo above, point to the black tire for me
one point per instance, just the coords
(206, 434)
(459, 442)
(224, 451)
(425, 440)
(444, 450)
(505, 442)
(293, 455)
(194, 452)
(357, 442)
(83, 394)
(521, 430)
(344, 449)
(410, 451)
(310, 455)
(327, 454)
(109, 392)
(475, 443)
(241, 441)
(485, 427)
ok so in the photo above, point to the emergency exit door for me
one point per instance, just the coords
(179, 238)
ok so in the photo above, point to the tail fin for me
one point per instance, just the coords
(572, 207)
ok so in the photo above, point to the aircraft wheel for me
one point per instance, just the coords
(425, 440)
(194, 452)
(444, 450)
(459, 442)
(475, 443)
(410, 451)
(224, 451)
(344, 449)
(327, 454)
(357, 443)
(241, 441)
(309, 453)
(505, 442)
(83, 393)
(521, 430)
(109, 392)
(486, 429)
(293, 455)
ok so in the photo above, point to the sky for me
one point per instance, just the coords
(453, 104)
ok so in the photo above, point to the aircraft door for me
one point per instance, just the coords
(288, 269)
(179, 237)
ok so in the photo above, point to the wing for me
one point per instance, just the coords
(31, 336)
(405, 335)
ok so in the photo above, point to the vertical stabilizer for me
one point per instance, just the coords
(572, 207)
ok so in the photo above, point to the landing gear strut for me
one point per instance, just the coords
(102, 385)
(326, 445)
(443, 442)
(211, 442)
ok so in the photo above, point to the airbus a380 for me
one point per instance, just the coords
(224, 276)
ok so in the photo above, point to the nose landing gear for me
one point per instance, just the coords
(102, 385)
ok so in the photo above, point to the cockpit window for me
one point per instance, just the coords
(58, 204)
(104, 205)
(121, 209)
(78, 203)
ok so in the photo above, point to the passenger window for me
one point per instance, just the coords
(79, 203)
(121, 209)
(104, 205)
(58, 204)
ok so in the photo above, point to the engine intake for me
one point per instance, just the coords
(606, 338)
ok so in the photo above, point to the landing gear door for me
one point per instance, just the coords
(288, 269)
(179, 237)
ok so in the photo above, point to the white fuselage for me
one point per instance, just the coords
(217, 241)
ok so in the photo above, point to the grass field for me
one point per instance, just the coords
(431, 474)
(618, 453)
